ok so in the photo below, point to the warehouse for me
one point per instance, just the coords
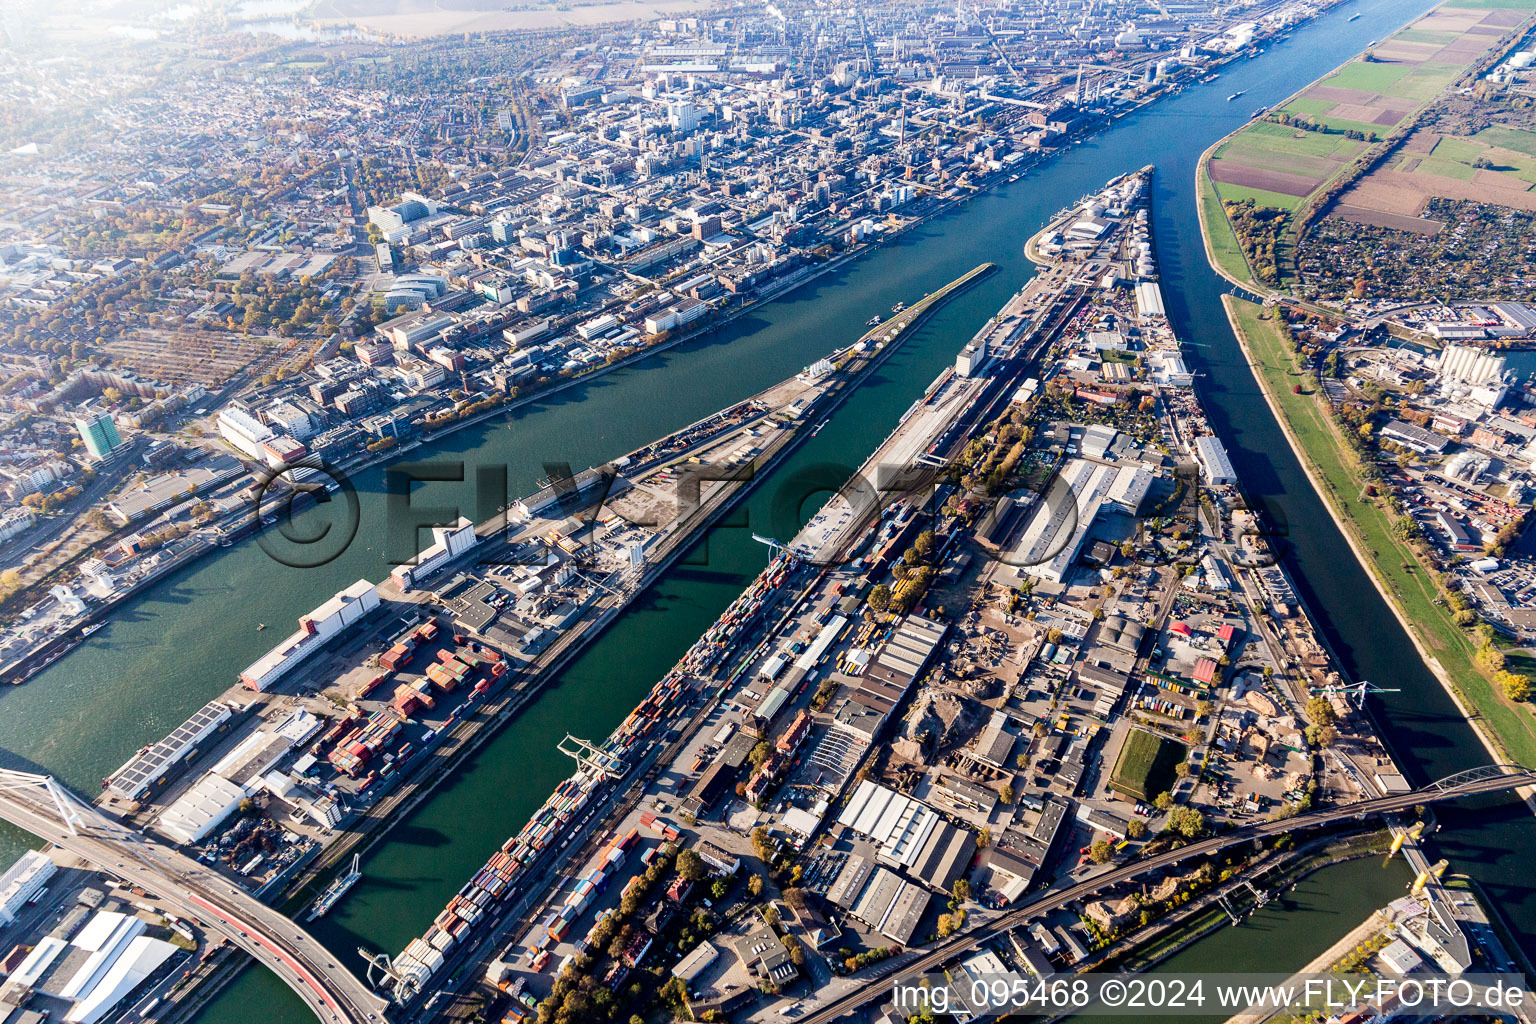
(154, 765)
(315, 629)
(200, 809)
(910, 834)
(1214, 462)
(1062, 522)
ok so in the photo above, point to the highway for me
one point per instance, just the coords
(197, 892)
(1493, 779)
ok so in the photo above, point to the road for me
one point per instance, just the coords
(334, 994)
(1052, 899)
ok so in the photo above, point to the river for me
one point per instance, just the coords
(183, 641)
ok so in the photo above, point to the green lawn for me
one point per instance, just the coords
(1368, 77)
(1302, 106)
(1261, 197)
(1344, 124)
(1509, 138)
(1146, 764)
(1462, 150)
(1221, 241)
(1426, 81)
(1295, 141)
(1411, 588)
(1457, 158)
(1445, 168)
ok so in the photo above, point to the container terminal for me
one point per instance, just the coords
(379, 689)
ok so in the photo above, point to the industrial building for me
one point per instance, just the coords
(315, 629)
(448, 543)
(153, 766)
(1214, 463)
(200, 810)
(22, 882)
(1061, 523)
(911, 835)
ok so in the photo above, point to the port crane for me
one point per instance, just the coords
(589, 756)
(1352, 692)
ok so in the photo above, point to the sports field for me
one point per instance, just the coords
(1146, 764)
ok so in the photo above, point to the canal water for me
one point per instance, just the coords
(183, 641)
(1303, 922)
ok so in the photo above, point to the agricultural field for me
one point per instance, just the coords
(1290, 156)
(1490, 167)
(1146, 765)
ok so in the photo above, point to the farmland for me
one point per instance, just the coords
(1299, 155)
(1146, 765)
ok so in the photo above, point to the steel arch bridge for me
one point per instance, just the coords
(1478, 774)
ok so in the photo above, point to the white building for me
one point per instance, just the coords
(22, 882)
(448, 543)
(1214, 462)
(201, 809)
(1055, 533)
(15, 521)
(315, 629)
(245, 432)
(683, 117)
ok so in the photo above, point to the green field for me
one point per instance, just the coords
(1445, 168)
(1426, 81)
(1145, 765)
(1457, 158)
(1426, 35)
(1269, 137)
(1394, 563)
(1260, 197)
(1461, 150)
(1514, 139)
(1301, 107)
(1368, 77)
(1221, 241)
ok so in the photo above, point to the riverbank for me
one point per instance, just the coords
(1506, 731)
(473, 732)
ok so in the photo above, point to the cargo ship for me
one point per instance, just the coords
(1236, 95)
(338, 888)
(1353, 17)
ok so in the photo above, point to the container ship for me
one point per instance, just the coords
(338, 888)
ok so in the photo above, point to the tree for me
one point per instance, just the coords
(1187, 822)
(1182, 769)
(1006, 794)
(1136, 829)
(1320, 711)
(1163, 801)
(949, 924)
(1100, 852)
(755, 885)
(961, 890)
(691, 866)
(879, 598)
(1515, 686)
(762, 843)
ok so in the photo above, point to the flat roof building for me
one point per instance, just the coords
(1214, 462)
